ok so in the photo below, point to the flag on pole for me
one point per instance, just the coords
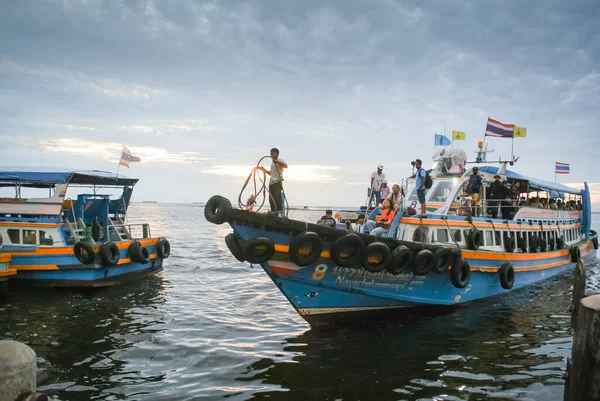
(519, 132)
(441, 140)
(498, 129)
(127, 157)
(458, 136)
(562, 168)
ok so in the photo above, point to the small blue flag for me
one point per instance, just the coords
(441, 140)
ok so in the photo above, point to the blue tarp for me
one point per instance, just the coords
(535, 184)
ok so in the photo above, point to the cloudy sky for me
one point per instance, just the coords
(200, 90)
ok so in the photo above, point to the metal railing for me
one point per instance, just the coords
(120, 232)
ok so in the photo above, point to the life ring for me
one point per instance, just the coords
(474, 239)
(109, 254)
(401, 258)
(575, 254)
(305, 249)
(138, 253)
(460, 273)
(347, 250)
(507, 275)
(560, 243)
(376, 257)
(441, 260)
(595, 239)
(233, 244)
(522, 244)
(543, 245)
(421, 265)
(509, 243)
(163, 248)
(84, 253)
(258, 250)
(217, 209)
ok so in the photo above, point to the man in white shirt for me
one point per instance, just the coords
(276, 180)
(377, 178)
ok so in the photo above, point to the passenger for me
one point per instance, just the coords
(560, 205)
(533, 202)
(328, 216)
(383, 226)
(420, 185)
(552, 204)
(522, 202)
(396, 197)
(356, 227)
(475, 187)
(579, 205)
(276, 180)
(464, 208)
(498, 193)
(377, 177)
(384, 190)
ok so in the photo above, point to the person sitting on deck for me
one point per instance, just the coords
(579, 205)
(356, 227)
(381, 228)
(327, 219)
(552, 204)
(464, 208)
(396, 197)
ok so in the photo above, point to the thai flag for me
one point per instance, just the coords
(127, 157)
(562, 168)
(498, 129)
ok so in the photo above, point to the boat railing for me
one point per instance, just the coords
(121, 232)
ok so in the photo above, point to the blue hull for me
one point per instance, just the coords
(323, 291)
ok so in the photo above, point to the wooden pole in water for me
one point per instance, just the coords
(583, 368)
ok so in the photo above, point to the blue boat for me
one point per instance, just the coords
(440, 258)
(81, 242)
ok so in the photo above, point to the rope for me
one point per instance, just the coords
(260, 189)
(445, 218)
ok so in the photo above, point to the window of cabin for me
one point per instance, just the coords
(498, 236)
(442, 235)
(441, 191)
(456, 234)
(29, 237)
(13, 235)
(489, 238)
(45, 239)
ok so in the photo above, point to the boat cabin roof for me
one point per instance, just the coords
(45, 179)
(535, 184)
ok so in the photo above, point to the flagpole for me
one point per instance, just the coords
(512, 147)
(119, 165)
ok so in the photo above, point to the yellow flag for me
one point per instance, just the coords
(458, 136)
(519, 132)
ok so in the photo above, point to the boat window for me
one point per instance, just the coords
(441, 191)
(489, 239)
(413, 195)
(13, 235)
(457, 235)
(442, 235)
(29, 237)
(421, 235)
(45, 239)
(498, 238)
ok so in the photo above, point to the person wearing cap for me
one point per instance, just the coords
(377, 178)
(356, 227)
(498, 194)
(384, 190)
(475, 189)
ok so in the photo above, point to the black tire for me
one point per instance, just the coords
(543, 245)
(234, 246)
(258, 250)
(163, 248)
(534, 244)
(509, 243)
(376, 257)
(421, 264)
(522, 244)
(347, 250)
(575, 254)
(217, 209)
(507, 276)
(303, 241)
(441, 260)
(594, 235)
(401, 258)
(460, 273)
(474, 239)
(551, 244)
(84, 253)
(560, 243)
(138, 253)
(109, 254)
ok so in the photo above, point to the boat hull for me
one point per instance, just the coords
(324, 292)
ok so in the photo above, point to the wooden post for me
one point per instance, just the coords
(578, 292)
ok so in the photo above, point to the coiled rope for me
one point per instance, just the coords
(260, 189)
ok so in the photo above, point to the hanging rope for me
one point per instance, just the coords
(261, 189)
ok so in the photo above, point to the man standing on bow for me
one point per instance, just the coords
(377, 178)
(276, 180)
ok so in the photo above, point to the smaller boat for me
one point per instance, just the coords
(81, 242)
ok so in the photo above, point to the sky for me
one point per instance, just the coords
(201, 90)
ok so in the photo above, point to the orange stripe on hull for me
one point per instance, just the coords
(5, 257)
(18, 224)
(490, 269)
(486, 255)
(8, 272)
(68, 251)
(286, 249)
(37, 267)
(497, 226)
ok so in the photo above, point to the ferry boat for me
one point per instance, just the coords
(85, 241)
(439, 258)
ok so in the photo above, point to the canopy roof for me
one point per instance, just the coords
(46, 179)
(534, 183)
